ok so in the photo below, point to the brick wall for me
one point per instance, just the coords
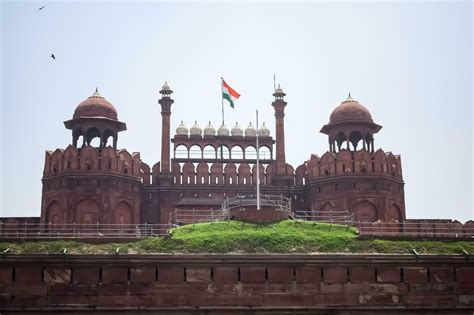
(245, 283)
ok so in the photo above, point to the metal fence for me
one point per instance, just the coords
(415, 230)
(191, 216)
(73, 230)
(279, 203)
(337, 217)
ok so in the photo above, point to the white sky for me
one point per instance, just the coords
(410, 64)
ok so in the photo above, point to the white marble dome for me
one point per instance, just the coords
(250, 131)
(264, 131)
(195, 130)
(223, 131)
(237, 130)
(209, 130)
(182, 130)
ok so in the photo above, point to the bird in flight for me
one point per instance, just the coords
(53, 56)
(41, 8)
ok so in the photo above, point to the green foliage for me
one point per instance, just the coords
(239, 237)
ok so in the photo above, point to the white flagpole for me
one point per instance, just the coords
(258, 170)
(222, 100)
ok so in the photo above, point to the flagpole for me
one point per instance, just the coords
(258, 170)
(222, 100)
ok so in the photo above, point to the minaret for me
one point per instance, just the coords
(166, 101)
(279, 106)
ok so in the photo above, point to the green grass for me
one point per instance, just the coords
(238, 237)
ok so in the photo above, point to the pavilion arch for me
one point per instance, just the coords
(181, 152)
(91, 135)
(250, 153)
(123, 213)
(355, 138)
(340, 139)
(264, 153)
(87, 212)
(365, 211)
(53, 213)
(223, 152)
(195, 152)
(107, 134)
(237, 153)
(209, 152)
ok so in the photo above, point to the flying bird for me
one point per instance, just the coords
(41, 8)
(53, 56)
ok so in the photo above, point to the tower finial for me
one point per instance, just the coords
(279, 94)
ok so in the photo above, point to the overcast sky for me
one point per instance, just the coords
(410, 64)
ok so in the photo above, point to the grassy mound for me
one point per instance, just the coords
(238, 237)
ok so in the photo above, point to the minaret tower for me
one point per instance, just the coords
(166, 101)
(279, 106)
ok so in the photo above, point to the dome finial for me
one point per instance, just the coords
(349, 98)
(96, 93)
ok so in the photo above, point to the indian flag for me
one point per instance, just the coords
(229, 93)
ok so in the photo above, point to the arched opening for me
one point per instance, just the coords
(394, 214)
(354, 138)
(237, 153)
(340, 139)
(181, 152)
(264, 153)
(77, 138)
(365, 211)
(53, 213)
(93, 137)
(209, 152)
(107, 134)
(223, 152)
(87, 212)
(195, 152)
(123, 214)
(250, 153)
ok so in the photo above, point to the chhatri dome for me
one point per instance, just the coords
(250, 131)
(209, 130)
(195, 130)
(223, 131)
(237, 130)
(264, 131)
(95, 106)
(350, 111)
(182, 130)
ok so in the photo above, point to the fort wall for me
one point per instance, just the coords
(250, 284)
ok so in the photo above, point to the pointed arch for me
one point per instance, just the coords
(365, 211)
(123, 213)
(87, 212)
(54, 213)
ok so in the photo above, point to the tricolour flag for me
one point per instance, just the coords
(229, 93)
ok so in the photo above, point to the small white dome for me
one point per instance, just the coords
(209, 130)
(237, 130)
(166, 86)
(223, 131)
(195, 130)
(182, 130)
(250, 131)
(264, 131)
(279, 90)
